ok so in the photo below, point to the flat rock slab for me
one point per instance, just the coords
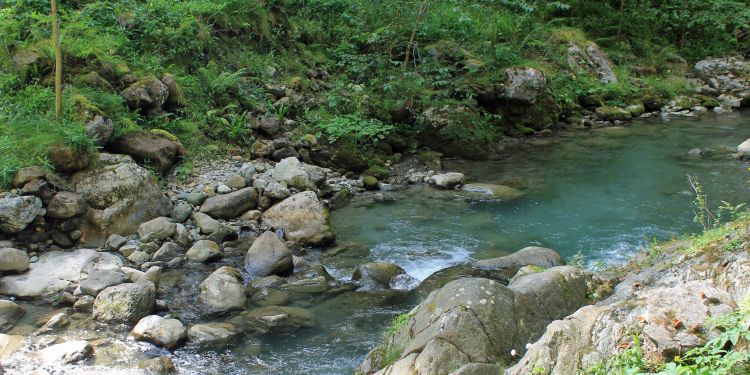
(56, 271)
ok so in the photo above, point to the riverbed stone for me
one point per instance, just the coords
(65, 205)
(115, 242)
(16, 213)
(125, 303)
(744, 149)
(377, 275)
(206, 223)
(271, 297)
(303, 218)
(181, 212)
(55, 323)
(156, 229)
(212, 333)
(531, 255)
(203, 251)
(275, 319)
(236, 182)
(608, 113)
(10, 313)
(26, 175)
(67, 352)
(231, 205)
(447, 180)
(222, 291)
(100, 279)
(167, 333)
(268, 255)
(167, 251)
(158, 150)
(56, 271)
(9, 344)
(13, 260)
(139, 257)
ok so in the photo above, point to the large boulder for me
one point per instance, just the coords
(524, 84)
(147, 93)
(167, 333)
(222, 291)
(231, 205)
(292, 172)
(157, 150)
(122, 195)
(65, 205)
(531, 255)
(156, 229)
(447, 180)
(591, 60)
(56, 271)
(125, 303)
(100, 279)
(13, 260)
(18, 212)
(268, 255)
(476, 320)
(203, 251)
(303, 218)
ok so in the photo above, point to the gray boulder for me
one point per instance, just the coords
(203, 251)
(222, 291)
(67, 352)
(146, 93)
(212, 333)
(10, 313)
(13, 260)
(56, 271)
(743, 150)
(268, 255)
(275, 319)
(125, 303)
(206, 223)
(181, 212)
(65, 205)
(591, 60)
(377, 275)
(231, 205)
(531, 255)
(167, 333)
(115, 242)
(18, 212)
(447, 180)
(167, 251)
(303, 218)
(100, 130)
(100, 279)
(156, 229)
(524, 84)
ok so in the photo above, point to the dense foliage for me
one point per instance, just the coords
(388, 61)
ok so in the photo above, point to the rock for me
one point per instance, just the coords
(181, 212)
(196, 198)
(252, 215)
(84, 304)
(155, 149)
(229, 206)
(115, 242)
(211, 333)
(236, 182)
(695, 152)
(57, 321)
(99, 279)
(158, 366)
(18, 212)
(206, 223)
(276, 190)
(744, 149)
(66, 159)
(524, 84)
(9, 344)
(267, 256)
(56, 271)
(39, 188)
(123, 196)
(13, 260)
(65, 205)
(10, 313)
(223, 189)
(303, 218)
(181, 235)
(100, 130)
(447, 180)
(61, 239)
(156, 229)
(67, 352)
(203, 251)
(222, 291)
(167, 251)
(607, 113)
(292, 172)
(269, 125)
(147, 93)
(167, 333)
(139, 257)
(377, 275)
(223, 234)
(128, 249)
(370, 182)
(471, 320)
(532, 255)
(276, 319)
(124, 303)
(635, 109)
(593, 61)
(175, 96)
(502, 192)
(26, 175)
(271, 297)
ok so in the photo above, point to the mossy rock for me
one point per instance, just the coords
(84, 109)
(682, 103)
(708, 101)
(377, 171)
(524, 129)
(165, 134)
(609, 113)
(430, 158)
(370, 182)
(636, 109)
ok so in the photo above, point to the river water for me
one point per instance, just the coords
(603, 193)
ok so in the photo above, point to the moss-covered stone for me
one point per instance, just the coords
(708, 101)
(370, 182)
(378, 171)
(609, 113)
(636, 109)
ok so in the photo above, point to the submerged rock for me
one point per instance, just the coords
(303, 218)
(125, 303)
(532, 255)
(222, 291)
(168, 333)
(502, 192)
(212, 333)
(67, 352)
(378, 275)
(447, 180)
(10, 313)
(276, 319)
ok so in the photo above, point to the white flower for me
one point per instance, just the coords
(513, 353)
(528, 346)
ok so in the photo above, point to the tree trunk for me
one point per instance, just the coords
(58, 61)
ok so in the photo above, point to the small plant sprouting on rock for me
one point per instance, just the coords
(703, 214)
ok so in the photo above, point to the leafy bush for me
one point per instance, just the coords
(354, 129)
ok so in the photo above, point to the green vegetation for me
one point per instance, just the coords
(725, 353)
(361, 71)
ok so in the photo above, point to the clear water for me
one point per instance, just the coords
(604, 193)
